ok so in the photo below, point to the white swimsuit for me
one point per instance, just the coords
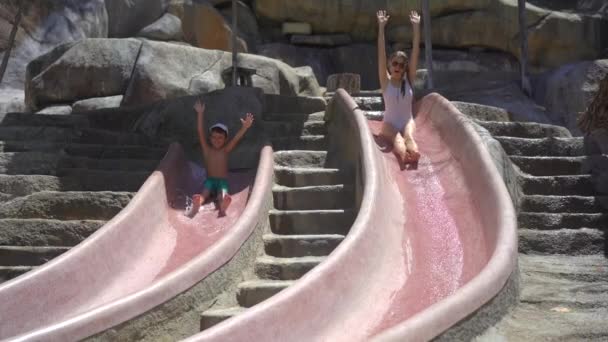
(398, 107)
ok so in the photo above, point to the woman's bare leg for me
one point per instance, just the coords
(392, 135)
(410, 144)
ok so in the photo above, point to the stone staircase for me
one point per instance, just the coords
(562, 238)
(311, 216)
(61, 178)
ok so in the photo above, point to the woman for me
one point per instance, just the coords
(396, 83)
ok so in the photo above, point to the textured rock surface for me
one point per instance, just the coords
(46, 24)
(168, 27)
(205, 27)
(89, 68)
(57, 110)
(97, 103)
(247, 24)
(459, 23)
(569, 90)
(127, 17)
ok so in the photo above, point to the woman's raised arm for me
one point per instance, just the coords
(413, 64)
(382, 71)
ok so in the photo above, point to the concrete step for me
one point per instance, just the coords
(253, 292)
(582, 241)
(544, 221)
(294, 117)
(311, 222)
(564, 204)
(267, 267)
(72, 135)
(312, 197)
(581, 282)
(68, 205)
(285, 128)
(44, 120)
(581, 185)
(300, 159)
(290, 246)
(297, 177)
(97, 151)
(308, 142)
(73, 180)
(524, 129)
(46, 163)
(212, 317)
(44, 232)
(28, 255)
(293, 104)
(558, 147)
(9, 272)
(551, 166)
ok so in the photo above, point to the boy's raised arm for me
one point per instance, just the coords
(199, 107)
(247, 122)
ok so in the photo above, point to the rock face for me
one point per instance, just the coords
(148, 71)
(127, 17)
(97, 103)
(568, 90)
(89, 68)
(44, 25)
(458, 24)
(205, 27)
(168, 27)
(247, 24)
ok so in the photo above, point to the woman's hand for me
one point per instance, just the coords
(414, 18)
(382, 18)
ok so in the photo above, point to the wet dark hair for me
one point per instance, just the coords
(219, 130)
(401, 54)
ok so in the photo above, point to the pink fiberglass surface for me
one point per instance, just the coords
(443, 242)
(146, 241)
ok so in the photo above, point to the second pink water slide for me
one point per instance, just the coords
(430, 246)
(147, 254)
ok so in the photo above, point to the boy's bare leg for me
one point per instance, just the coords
(225, 201)
(197, 202)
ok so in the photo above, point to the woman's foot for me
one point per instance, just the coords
(412, 154)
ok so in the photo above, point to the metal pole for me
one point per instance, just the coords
(11, 39)
(428, 47)
(234, 49)
(523, 35)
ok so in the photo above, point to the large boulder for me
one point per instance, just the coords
(89, 68)
(44, 25)
(568, 90)
(206, 28)
(175, 120)
(165, 71)
(457, 24)
(247, 24)
(127, 17)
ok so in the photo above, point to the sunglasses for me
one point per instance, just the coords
(395, 64)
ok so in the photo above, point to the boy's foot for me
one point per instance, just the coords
(226, 200)
(195, 206)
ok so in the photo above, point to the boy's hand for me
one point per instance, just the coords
(414, 18)
(199, 107)
(382, 18)
(247, 121)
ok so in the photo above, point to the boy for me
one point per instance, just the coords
(216, 159)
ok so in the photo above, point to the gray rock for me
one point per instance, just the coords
(175, 120)
(97, 103)
(568, 90)
(46, 24)
(349, 82)
(322, 40)
(57, 110)
(127, 17)
(87, 69)
(247, 25)
(168, 27)
(12, 101)
(482, 112)
(167, 71)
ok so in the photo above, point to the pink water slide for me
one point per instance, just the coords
(146, 255)
(430, 246)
